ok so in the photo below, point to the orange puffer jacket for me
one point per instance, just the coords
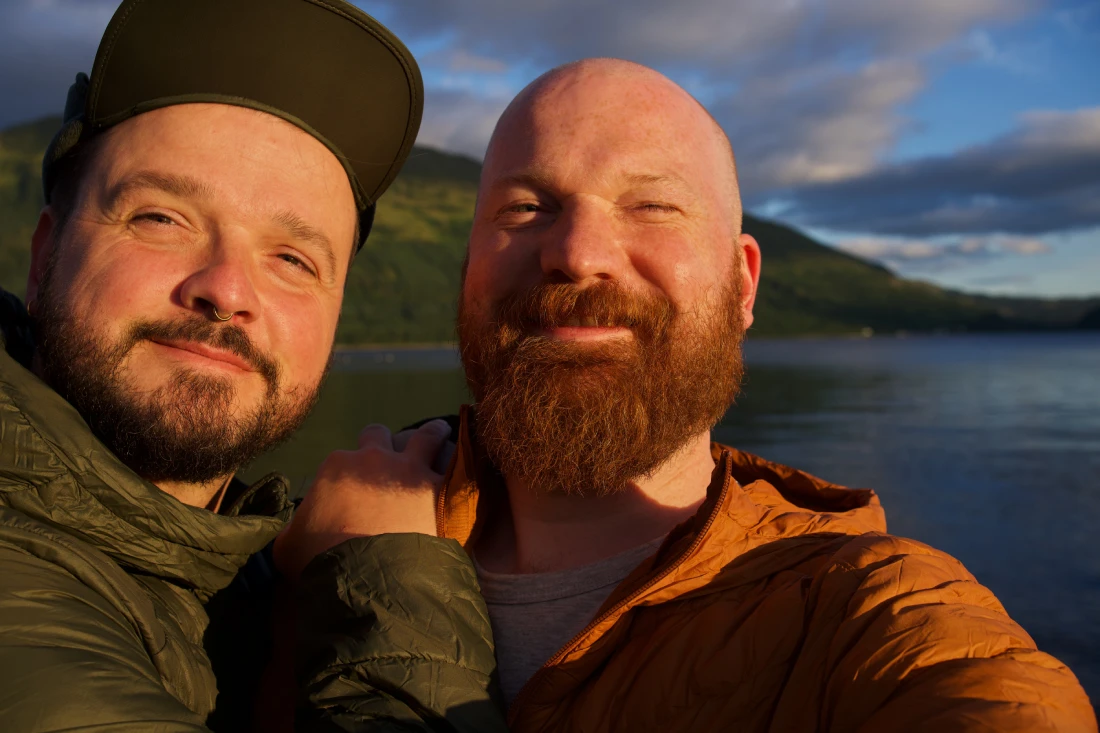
(783, 606)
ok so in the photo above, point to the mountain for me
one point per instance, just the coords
(404, 283)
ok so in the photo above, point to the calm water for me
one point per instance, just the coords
(987, 447)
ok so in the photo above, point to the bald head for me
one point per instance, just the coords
(605, 174)
(619, 101)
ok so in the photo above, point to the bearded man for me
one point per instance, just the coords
(639, 577)
(205, 197)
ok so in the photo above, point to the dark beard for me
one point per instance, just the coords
(185, 430)
(584, 419)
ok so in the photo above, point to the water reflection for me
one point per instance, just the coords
(986, 447)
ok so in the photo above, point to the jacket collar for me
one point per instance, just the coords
(751, 503)
(770, 498)
(56, 471)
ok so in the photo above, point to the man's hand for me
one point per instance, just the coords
(374, 490)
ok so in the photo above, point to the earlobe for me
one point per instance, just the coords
(750, 275)
(42, 244)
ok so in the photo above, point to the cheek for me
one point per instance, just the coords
(114, 286)
(489, 272)
(681, 271)
(301, 333)
(503, 260)
(474, 304)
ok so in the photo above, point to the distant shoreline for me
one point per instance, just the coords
(396, 346)
(371, 348)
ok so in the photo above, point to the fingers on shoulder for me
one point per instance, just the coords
(425, 442)
(376, 436)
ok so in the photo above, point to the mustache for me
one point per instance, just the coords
(551, 305)
(233, 339)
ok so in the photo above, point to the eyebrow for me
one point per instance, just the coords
(171, 183)
(643, 179)
(539, 179)
(534, 179)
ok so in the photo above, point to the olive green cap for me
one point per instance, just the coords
(323, 65)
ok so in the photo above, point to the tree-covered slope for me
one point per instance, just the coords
(404, 284)
(21, 150)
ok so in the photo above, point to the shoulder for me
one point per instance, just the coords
(874, 550)
(886, 605)
(74, 627)
(34, 554)
(908, 639)
(873, 569)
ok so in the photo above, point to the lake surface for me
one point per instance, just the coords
(986, 447)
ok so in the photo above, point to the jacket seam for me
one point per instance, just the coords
(406, 657)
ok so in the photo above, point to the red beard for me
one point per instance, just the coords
(592, 418)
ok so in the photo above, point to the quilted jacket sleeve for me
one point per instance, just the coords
(911, 642)
(69, 658)
(393, 635)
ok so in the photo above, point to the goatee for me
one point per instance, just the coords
(585, 418)
(191, 428)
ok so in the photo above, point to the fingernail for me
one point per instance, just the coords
(439, 427)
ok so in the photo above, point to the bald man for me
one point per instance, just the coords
(637, 575)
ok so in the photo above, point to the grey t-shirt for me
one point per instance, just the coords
(534, 615)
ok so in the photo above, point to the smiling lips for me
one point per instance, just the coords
(584, 322)
(581, 328)
(206, 352)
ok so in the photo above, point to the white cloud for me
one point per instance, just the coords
(809, 90)
(943, 253)
(459, 121)
(459, 60)
(1024, 246)
(817, 125)
(739, 35)
(1043, 176)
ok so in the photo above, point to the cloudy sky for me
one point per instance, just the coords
(953, 140)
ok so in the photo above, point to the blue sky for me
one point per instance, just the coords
(956, 141)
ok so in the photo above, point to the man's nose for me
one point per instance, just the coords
(223, 284)
(584, 243)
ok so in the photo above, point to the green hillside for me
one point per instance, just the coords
(404, 283)
(21, 150)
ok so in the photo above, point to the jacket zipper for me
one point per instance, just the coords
(525, 690)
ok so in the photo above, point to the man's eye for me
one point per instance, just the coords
(154, 217)
(296, 262)
(522, 213)
(656, 206)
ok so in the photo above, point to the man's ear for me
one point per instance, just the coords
(42, 244)
(750, 275)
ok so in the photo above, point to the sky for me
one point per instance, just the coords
(954, 141)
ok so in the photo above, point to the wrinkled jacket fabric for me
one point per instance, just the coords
(122, 609)
(782, 606)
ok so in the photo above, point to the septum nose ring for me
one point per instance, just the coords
(219, 315)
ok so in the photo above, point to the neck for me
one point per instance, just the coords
(206, 495)
(548, 532)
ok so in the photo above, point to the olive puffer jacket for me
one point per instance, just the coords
(122, 609)
(782, 606)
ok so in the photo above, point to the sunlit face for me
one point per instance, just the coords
(198, 207)
(605, 176)
(607, 288)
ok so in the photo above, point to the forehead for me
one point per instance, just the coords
(243, 156)
(609, 126)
